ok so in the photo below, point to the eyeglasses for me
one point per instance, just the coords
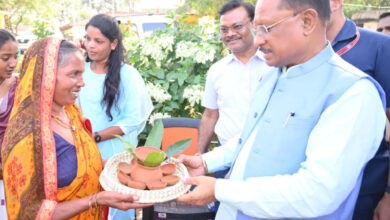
(263, 30)
(235, 28)
(387, 28)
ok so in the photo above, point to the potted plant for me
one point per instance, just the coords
(145, 169)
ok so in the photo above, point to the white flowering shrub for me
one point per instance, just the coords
(157, 93)
(193, 94)
(157, 115)
(174, 63)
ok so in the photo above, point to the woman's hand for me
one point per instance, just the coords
(119, 200)
(79, 43)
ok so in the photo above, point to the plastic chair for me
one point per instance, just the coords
(176, 129)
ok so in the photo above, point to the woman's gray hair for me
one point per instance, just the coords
(66, 48)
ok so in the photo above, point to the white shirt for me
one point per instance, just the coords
(335, 158)
(229, 88)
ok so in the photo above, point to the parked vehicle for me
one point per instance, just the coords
(25, 39)
(145, 24)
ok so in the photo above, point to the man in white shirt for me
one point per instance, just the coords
(313, 125)
(231, 81)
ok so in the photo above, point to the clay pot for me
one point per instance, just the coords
(157, 184)
(136, 185)
(124, 167)
(170, 180)
(145, 174)
(142, 152)
(123, 178)
(168, 169)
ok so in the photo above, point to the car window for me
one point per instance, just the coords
(153, 26)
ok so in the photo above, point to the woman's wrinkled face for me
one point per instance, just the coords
(97, 45)
(69, 80)
(8, 58)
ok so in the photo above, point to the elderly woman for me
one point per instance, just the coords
(51, 162)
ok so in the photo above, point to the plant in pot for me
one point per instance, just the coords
(145, 169)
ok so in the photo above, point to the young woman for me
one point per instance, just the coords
(114, 98)
(51, 162)
(8, 82)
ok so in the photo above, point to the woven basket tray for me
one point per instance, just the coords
(109, 181)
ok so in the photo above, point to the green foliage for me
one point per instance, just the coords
(155, 135)
(128, 30)
(42, 28)
(205, 7)
(352, 6)
(174, 63)
(21, 10)
(178, 147)
(129, 146)
(154, 159)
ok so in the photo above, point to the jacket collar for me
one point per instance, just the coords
(346, 33)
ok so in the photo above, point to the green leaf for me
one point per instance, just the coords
(155, 135)
(154, 159)
(181, 78)
(178, 147)
(197, 79)
(129, 146)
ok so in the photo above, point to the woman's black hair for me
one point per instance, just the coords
(5, 36)
(109, 27)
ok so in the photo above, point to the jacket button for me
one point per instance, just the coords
(255, 115)
(239, 141)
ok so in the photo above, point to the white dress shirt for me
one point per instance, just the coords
(229, 88)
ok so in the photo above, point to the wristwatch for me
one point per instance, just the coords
(387, 189)
(98, 138)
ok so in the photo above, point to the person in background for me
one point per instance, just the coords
(51, 162)
(314, 123)
(8, 82)
(114, 98)
(384, 23)
(231, 81)
(368, 51)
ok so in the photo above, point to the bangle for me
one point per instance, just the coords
(95, 203)
(206, 170)
(387, 189)
(92, 203)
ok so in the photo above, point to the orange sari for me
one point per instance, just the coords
(29, 152)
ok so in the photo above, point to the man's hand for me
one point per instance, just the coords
(194, 165)
(203, 193)
(382, 211)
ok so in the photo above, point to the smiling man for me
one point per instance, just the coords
(313, 124)
(231, 81)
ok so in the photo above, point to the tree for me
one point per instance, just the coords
(205, 7)
(20, 8)
(351, 6)
(211, 7)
